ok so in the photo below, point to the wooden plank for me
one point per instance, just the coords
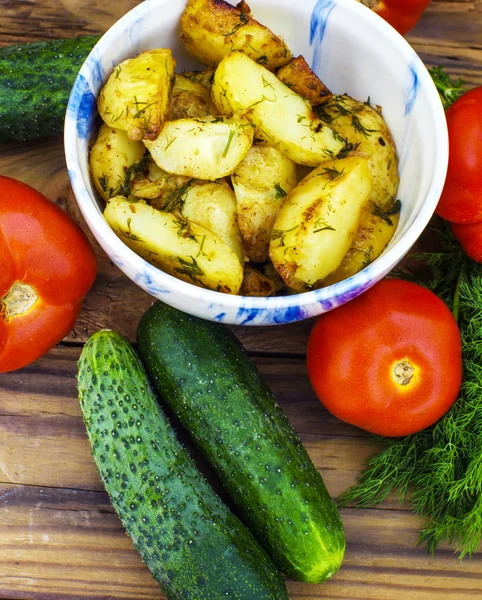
(31, 21)
(44, 441)
(66, 544)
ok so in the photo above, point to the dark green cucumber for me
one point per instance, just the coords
(193, 545)
(204, 374)
(35, 84)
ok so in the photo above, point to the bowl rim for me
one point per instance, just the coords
(112, 245)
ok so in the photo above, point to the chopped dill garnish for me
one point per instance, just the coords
(279, 235)
(175, 199)
(341, 109)
(347, 148)
(170, 140)
(243, 20)
(190, 269)
(280, 192)
(130, 174)
(141, 111)
(385, 215)
(106, 188)
(359, 127)
(332, 173)
(201, 245)
(266, 83)
(322, 113)
(129, 235)
(230, 139)
(262, 60)
(183, 225)
(322, 225)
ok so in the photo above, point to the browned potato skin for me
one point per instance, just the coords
(372, 237)
(211, 29)
(189, 100)
(298, 76)
(256, 284)
(136, 96)
(364, 128)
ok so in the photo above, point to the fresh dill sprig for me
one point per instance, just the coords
(449, 89)
(441, 466)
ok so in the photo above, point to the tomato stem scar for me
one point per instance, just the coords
(403, 372)
(19, 299)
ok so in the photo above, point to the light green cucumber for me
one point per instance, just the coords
(210, 383)
(193, 545)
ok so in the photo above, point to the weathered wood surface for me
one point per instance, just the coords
(60, 539)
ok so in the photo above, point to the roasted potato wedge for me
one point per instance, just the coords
(299, 77)
(256, 284)
(367, 134)
(189, 99)
(318, 221)
(371, 239)
(283, 119)
(211, 29)
(182, 248)
(110, 157)
(137, 94)
(202, 148)
(213, 205)
(261, 181)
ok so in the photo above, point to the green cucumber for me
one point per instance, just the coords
(206, 377)
(193, 545)
(35, 84)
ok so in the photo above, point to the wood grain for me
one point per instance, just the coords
(44, 441)
(60, 537)
(58, 544)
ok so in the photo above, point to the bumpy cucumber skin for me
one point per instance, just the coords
(35, 84)
(204, 374)
(193, 545)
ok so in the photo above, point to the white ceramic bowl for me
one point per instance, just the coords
(354, 51)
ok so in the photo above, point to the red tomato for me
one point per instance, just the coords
(401, 14)
(46, 268)
(470, 238)
(390, 361)
(461, 200)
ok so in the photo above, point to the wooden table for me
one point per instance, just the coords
(59, 537)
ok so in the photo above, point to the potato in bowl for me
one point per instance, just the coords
(328, 42)
(232, 137)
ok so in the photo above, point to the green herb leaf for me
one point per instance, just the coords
(280, 192)
(449, 89)
(134, 170)
(394, 210)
